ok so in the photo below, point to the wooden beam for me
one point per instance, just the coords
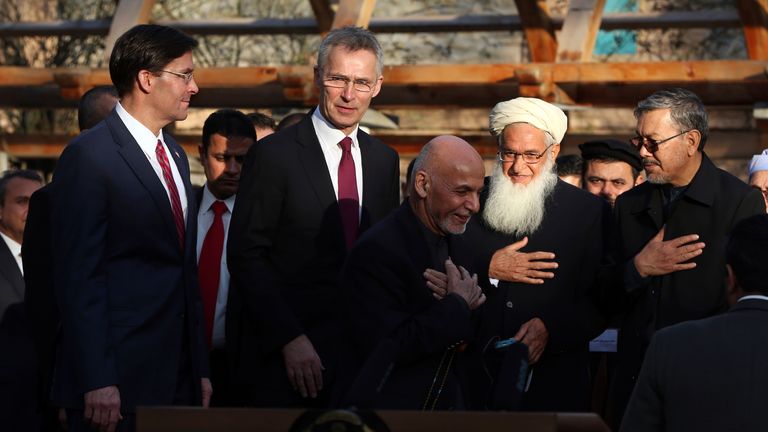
(722, 82)
(576, 41)
(323, 15)
(413, 24)
(538, 29)
(353, 12)
(730, 143)
(754, 17)
(128, 14)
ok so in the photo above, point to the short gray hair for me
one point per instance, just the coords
(11, 174)
(686, 110)
(353, 39)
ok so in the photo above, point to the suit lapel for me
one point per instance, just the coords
(10, 270)
(313, 161)
(369, 178)
(137, 160)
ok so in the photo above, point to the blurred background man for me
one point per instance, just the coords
(569, 169)
(611, 167)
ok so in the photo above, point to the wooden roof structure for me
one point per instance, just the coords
(561, 68)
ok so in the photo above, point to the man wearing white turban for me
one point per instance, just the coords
(527, 210)
(758, 174)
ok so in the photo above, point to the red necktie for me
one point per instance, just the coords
(178, 214)
(209, 267)
(349, 203)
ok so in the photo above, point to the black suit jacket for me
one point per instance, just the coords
(127, 293)
(286, 248)
(705, 375)
(572, 229)
(39, 296)
(389, 305)
(712, 205)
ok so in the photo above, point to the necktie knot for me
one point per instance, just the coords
(219, 208)
(346, 144)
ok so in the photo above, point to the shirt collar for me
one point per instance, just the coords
(754, 297)
(14, 246)
(328, 134)
(143, 136)
(209, 199)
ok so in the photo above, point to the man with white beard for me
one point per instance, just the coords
(546, 305)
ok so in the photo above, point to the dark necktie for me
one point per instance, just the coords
(349, 202)
(178, 213)
(209, 267)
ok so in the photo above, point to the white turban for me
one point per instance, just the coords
(536, 112)
(759, 162)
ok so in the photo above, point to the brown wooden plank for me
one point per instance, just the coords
(576, 41)
(323, 15)
(538, 28)
(128, 14)
(754, 18)
(353, 12)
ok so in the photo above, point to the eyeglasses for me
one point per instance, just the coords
(339, 81)
(529, 157)
(650, 144)
(187, 77)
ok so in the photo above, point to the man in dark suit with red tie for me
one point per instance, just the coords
(306, 193)
(227, 136)
(123, 236)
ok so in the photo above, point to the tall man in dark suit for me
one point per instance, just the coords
(307, 192)
(17, 354)
(123, 238)
(530, 217)
(710, 374)
(386, 297)
(227, 136)
(664, 224)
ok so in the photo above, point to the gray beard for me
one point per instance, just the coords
(516, 209)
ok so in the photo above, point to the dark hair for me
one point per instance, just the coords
(608, 159)
(16, 173)
(747, 253)
(228, 123)
(145, 47)
(262, 121)
(569, 165)
(90, 109)
(686, 110)
(353, 39)
(290, 120)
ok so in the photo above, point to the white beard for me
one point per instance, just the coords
(517, 209)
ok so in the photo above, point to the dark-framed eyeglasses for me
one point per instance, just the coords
(529, 157)
(650, 144)
(340, 81)
(187, 77)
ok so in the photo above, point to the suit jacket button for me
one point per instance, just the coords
(510, 305)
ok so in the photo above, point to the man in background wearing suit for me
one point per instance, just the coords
(227, 136)
(123, 237)
(671, 230)
(306, 194)
(39, 298)
(710, 374)
(17, 358)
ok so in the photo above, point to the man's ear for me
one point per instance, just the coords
(555, 151)
(145, 80)
(421, 184)
(201, 151)
(693, 140)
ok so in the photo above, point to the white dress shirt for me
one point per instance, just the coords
(148, 142)
(204, 222)
(15, 249)
(329, 137)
